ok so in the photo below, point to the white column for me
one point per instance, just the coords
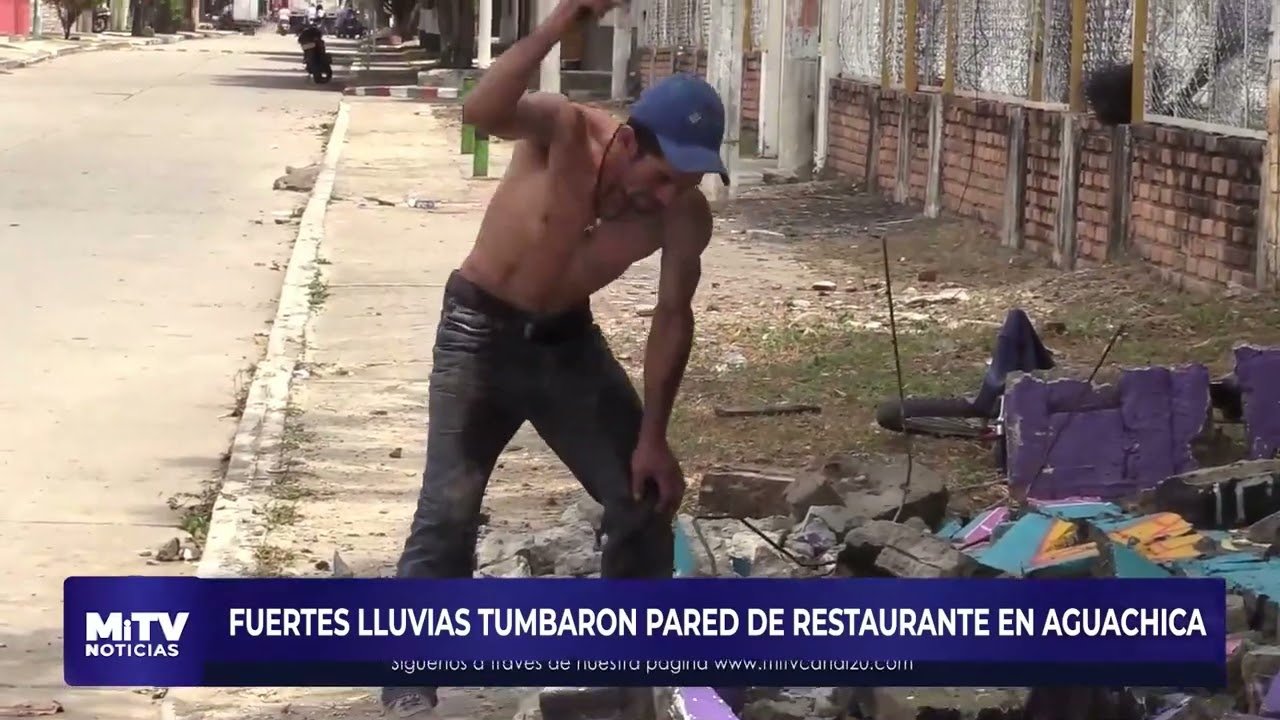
(549, 71)
(799, 100)
(37, 17)
(484, 34)
(771, 78)
(623, 27)
(724, 72)
(828, 68)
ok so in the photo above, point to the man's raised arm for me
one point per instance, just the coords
(498, 103)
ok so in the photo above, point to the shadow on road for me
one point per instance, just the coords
(278, 80)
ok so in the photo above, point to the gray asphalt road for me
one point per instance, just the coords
(138, 260)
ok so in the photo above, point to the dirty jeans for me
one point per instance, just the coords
(495, 367)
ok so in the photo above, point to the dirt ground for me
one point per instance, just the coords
(765, 335)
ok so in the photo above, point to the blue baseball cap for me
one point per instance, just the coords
(685, 114)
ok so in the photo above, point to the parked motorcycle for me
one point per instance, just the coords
(349, 27)
(318, 61)
(101, 19)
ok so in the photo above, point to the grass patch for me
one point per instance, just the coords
(271, 561)
(195, 510)
(317, 290)
(241, 383)
(280, 513)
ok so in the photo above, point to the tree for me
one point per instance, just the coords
(69, 11)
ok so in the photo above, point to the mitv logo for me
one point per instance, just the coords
(139, 634)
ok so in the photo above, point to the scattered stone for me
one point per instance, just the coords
(322, 565)
(584, 510)
(927, 276)
(765, 235)
(646, 310)
(744, 492)
(824, 286)
(888, 549)
(580, 563)
(301, 179)
(145, 553)
(516, 566)
(796, 304)
(945, 297)
(397, 453)
(340, 567)
(282, 217)
(767, 410)
(1054, 327)
(171, 551)
(189, 551)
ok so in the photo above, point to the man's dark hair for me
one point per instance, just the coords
(645, 138)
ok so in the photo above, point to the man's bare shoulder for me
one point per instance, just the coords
(687, 222)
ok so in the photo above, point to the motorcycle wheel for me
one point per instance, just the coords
(100, 25)
(322, 75)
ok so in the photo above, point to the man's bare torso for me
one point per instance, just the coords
(536, 248)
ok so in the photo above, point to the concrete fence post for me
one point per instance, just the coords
(623, 29)
(902, 168)
(1267, 244)
(799, 91)
(1015, 180)
(724, 72)
(828, 68)
(1121, 198)
(1064, 228)
(872, 179)
(933, 185)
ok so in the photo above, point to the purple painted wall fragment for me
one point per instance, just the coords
(699, 703)
(1271, 701)
(1112, 440)
(1258, 372)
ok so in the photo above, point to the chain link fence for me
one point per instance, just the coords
(1206, 60)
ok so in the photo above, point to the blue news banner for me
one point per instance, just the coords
(175, 632)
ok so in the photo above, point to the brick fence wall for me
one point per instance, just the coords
(657, 63)
(1184, 201)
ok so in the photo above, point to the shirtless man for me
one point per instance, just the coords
(583, 199)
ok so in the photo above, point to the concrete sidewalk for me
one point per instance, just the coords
(355, 433)
(16, 53)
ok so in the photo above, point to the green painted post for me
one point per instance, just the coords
(468, 131)
(480, 160)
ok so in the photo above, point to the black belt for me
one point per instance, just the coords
(506, 317)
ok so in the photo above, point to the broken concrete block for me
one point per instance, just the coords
(917, 703)
(810, 490)
(1068, 438)
(1266, 530)
(887, 549)
(873, 489)
(1257, 370)
(584, 510)
(541, 550)
(1237, 619)
(1082, 703)
(1259, 666)
(1225, 496)
(744, 492)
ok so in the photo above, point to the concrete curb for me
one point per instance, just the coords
(94, 46)
(404, 92)
(228, 550)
